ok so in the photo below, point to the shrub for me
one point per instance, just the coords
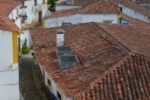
(25, 48)
(52, 4)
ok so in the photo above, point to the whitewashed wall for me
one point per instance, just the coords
(6, 49)
(25, 35)
(31, 11)
(99, 18)
(58, 8)
(14, 15)
(78, 18)
(134, 14)
(54, 88)
(56, 22)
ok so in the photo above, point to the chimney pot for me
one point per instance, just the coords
(60, 38)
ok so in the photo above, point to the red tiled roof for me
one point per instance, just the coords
(65, 12)
(107, 69)
(7, 6)
(8, 25)
(96, 53)
(102, 6)
(129, 80)
(131, 36)
(78, 2)
(112, 6)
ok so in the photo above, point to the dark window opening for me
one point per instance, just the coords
(120, 9)
(107, 21)
(49, 82)
(58, 96)
(43, 1)
(35, 2)
(123, 21)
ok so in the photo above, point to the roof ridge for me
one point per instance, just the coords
(113, 40)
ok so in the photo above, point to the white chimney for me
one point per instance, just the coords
(60, 38)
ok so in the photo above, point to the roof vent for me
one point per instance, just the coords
(60, 38)
(66, 58)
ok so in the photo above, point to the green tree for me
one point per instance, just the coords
(25, 48)
(52, 4)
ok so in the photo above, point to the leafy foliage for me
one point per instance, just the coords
(52, 2)
(25, 48)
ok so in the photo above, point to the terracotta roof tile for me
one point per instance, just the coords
(112, 6)
(65, 12)
(8, 25)
(7, 6)
(134, 37)
(108, 70)
(77, 2)
(96, 52)
(128, 81)
(102, 6)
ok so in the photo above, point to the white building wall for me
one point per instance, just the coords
(14, 15)
(31, 11)
(56, 22)
(77, 18)
(6, 51)
(54, 88)
(59, 8)
(134, 14)
(99, 18)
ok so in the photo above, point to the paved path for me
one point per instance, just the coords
(27, 86)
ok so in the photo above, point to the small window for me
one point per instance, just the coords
(49, 82)
(120, 9)
(107, 21)
(35, 2)
(124, 21)
(58, 96)
(43, 1)
(66, 24)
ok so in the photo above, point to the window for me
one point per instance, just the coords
(107, 21)
(66, 24)
(43, 1)
(49, 82)
(35, 2)
(58, 96)
(120, 9)
(124, 21)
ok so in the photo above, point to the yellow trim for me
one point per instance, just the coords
(15, 47)
(46, 2)
(118, 19)
(43, 23)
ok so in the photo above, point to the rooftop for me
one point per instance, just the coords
(8, 25)
(102, 7)
(7, 6)
(77, 2)
(95, 52)
(106, 53)
(131, 36)
(127, 80)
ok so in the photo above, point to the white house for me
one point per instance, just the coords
(97, 12)
(72, 4)
(9, 76)
(29, 12)
(102, 11)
